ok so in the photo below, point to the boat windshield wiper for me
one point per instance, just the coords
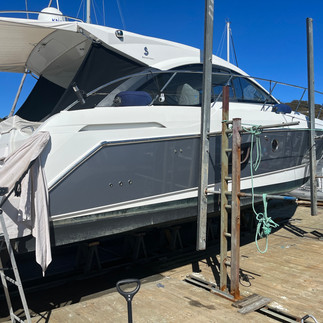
(79, 93)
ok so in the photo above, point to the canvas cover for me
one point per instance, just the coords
(26, 211)
(19, 37)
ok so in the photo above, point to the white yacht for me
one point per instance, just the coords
(123, 113)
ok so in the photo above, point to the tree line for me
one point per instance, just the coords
(304, 108)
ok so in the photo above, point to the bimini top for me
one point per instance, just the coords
(42, 47)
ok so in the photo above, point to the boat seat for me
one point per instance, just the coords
(132, 98)
(187, 95)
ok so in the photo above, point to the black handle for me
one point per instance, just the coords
(128, 295)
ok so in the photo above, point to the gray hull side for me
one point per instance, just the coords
(130, 171)
(106, 224)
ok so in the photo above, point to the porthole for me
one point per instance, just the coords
(274, 145)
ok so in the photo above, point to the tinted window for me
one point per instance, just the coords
(175, 88)
(241, 89)
(247, 91)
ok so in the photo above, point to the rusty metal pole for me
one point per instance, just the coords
(311, 99)
(235, 208)
(205, 126)
(224, 189)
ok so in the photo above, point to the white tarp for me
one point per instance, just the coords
(13, 132)
(17, 123)
(28, 213)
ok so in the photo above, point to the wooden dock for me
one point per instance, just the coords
(290, 274)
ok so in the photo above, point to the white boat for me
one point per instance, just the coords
(123, 112)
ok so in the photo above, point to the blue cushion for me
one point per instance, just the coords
(281, 108)
(132, 98)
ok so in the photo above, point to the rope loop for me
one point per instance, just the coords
(264, 226)
(265, 223)
(255, 131)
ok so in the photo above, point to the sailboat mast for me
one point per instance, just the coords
(88, 11)
(228, 41)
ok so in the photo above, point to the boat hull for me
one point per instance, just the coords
(125, 186)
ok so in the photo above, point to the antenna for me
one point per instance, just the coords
(88, 11)
(50, 4)
(228, 41)
(27, 8)
(121, 15)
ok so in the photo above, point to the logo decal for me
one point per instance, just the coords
(146, 52)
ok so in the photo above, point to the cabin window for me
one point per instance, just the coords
(181, 86)
(246, 91)
(241, 89)
(174, 88)
(221, 78)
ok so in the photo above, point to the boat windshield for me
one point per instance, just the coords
(179, 87)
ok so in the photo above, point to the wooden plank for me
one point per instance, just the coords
(255, 305)
(246, 301)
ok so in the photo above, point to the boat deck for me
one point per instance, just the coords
(290, 274)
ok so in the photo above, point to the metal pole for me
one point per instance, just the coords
(310, 73)
(205, 125)
(228, 41)
(12, 111)
(88, 11)
(235, 208)
(269, 196)
(224, 189)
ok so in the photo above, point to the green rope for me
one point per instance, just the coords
(264, 226)
(255, 131)
(265, 223)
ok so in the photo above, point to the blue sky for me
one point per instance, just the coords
(269, 36)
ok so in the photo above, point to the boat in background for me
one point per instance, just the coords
(304, 192)
(123, 112)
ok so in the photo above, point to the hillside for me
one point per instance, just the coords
(303, 107)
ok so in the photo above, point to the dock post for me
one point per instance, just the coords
(205, 126)
(235, 208)
(311, 99)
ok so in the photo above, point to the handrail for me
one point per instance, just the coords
(37, 13)
(174, 72)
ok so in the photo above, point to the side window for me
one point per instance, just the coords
(219, 79)
(185, 88)
(245, 90)
(175, 89)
